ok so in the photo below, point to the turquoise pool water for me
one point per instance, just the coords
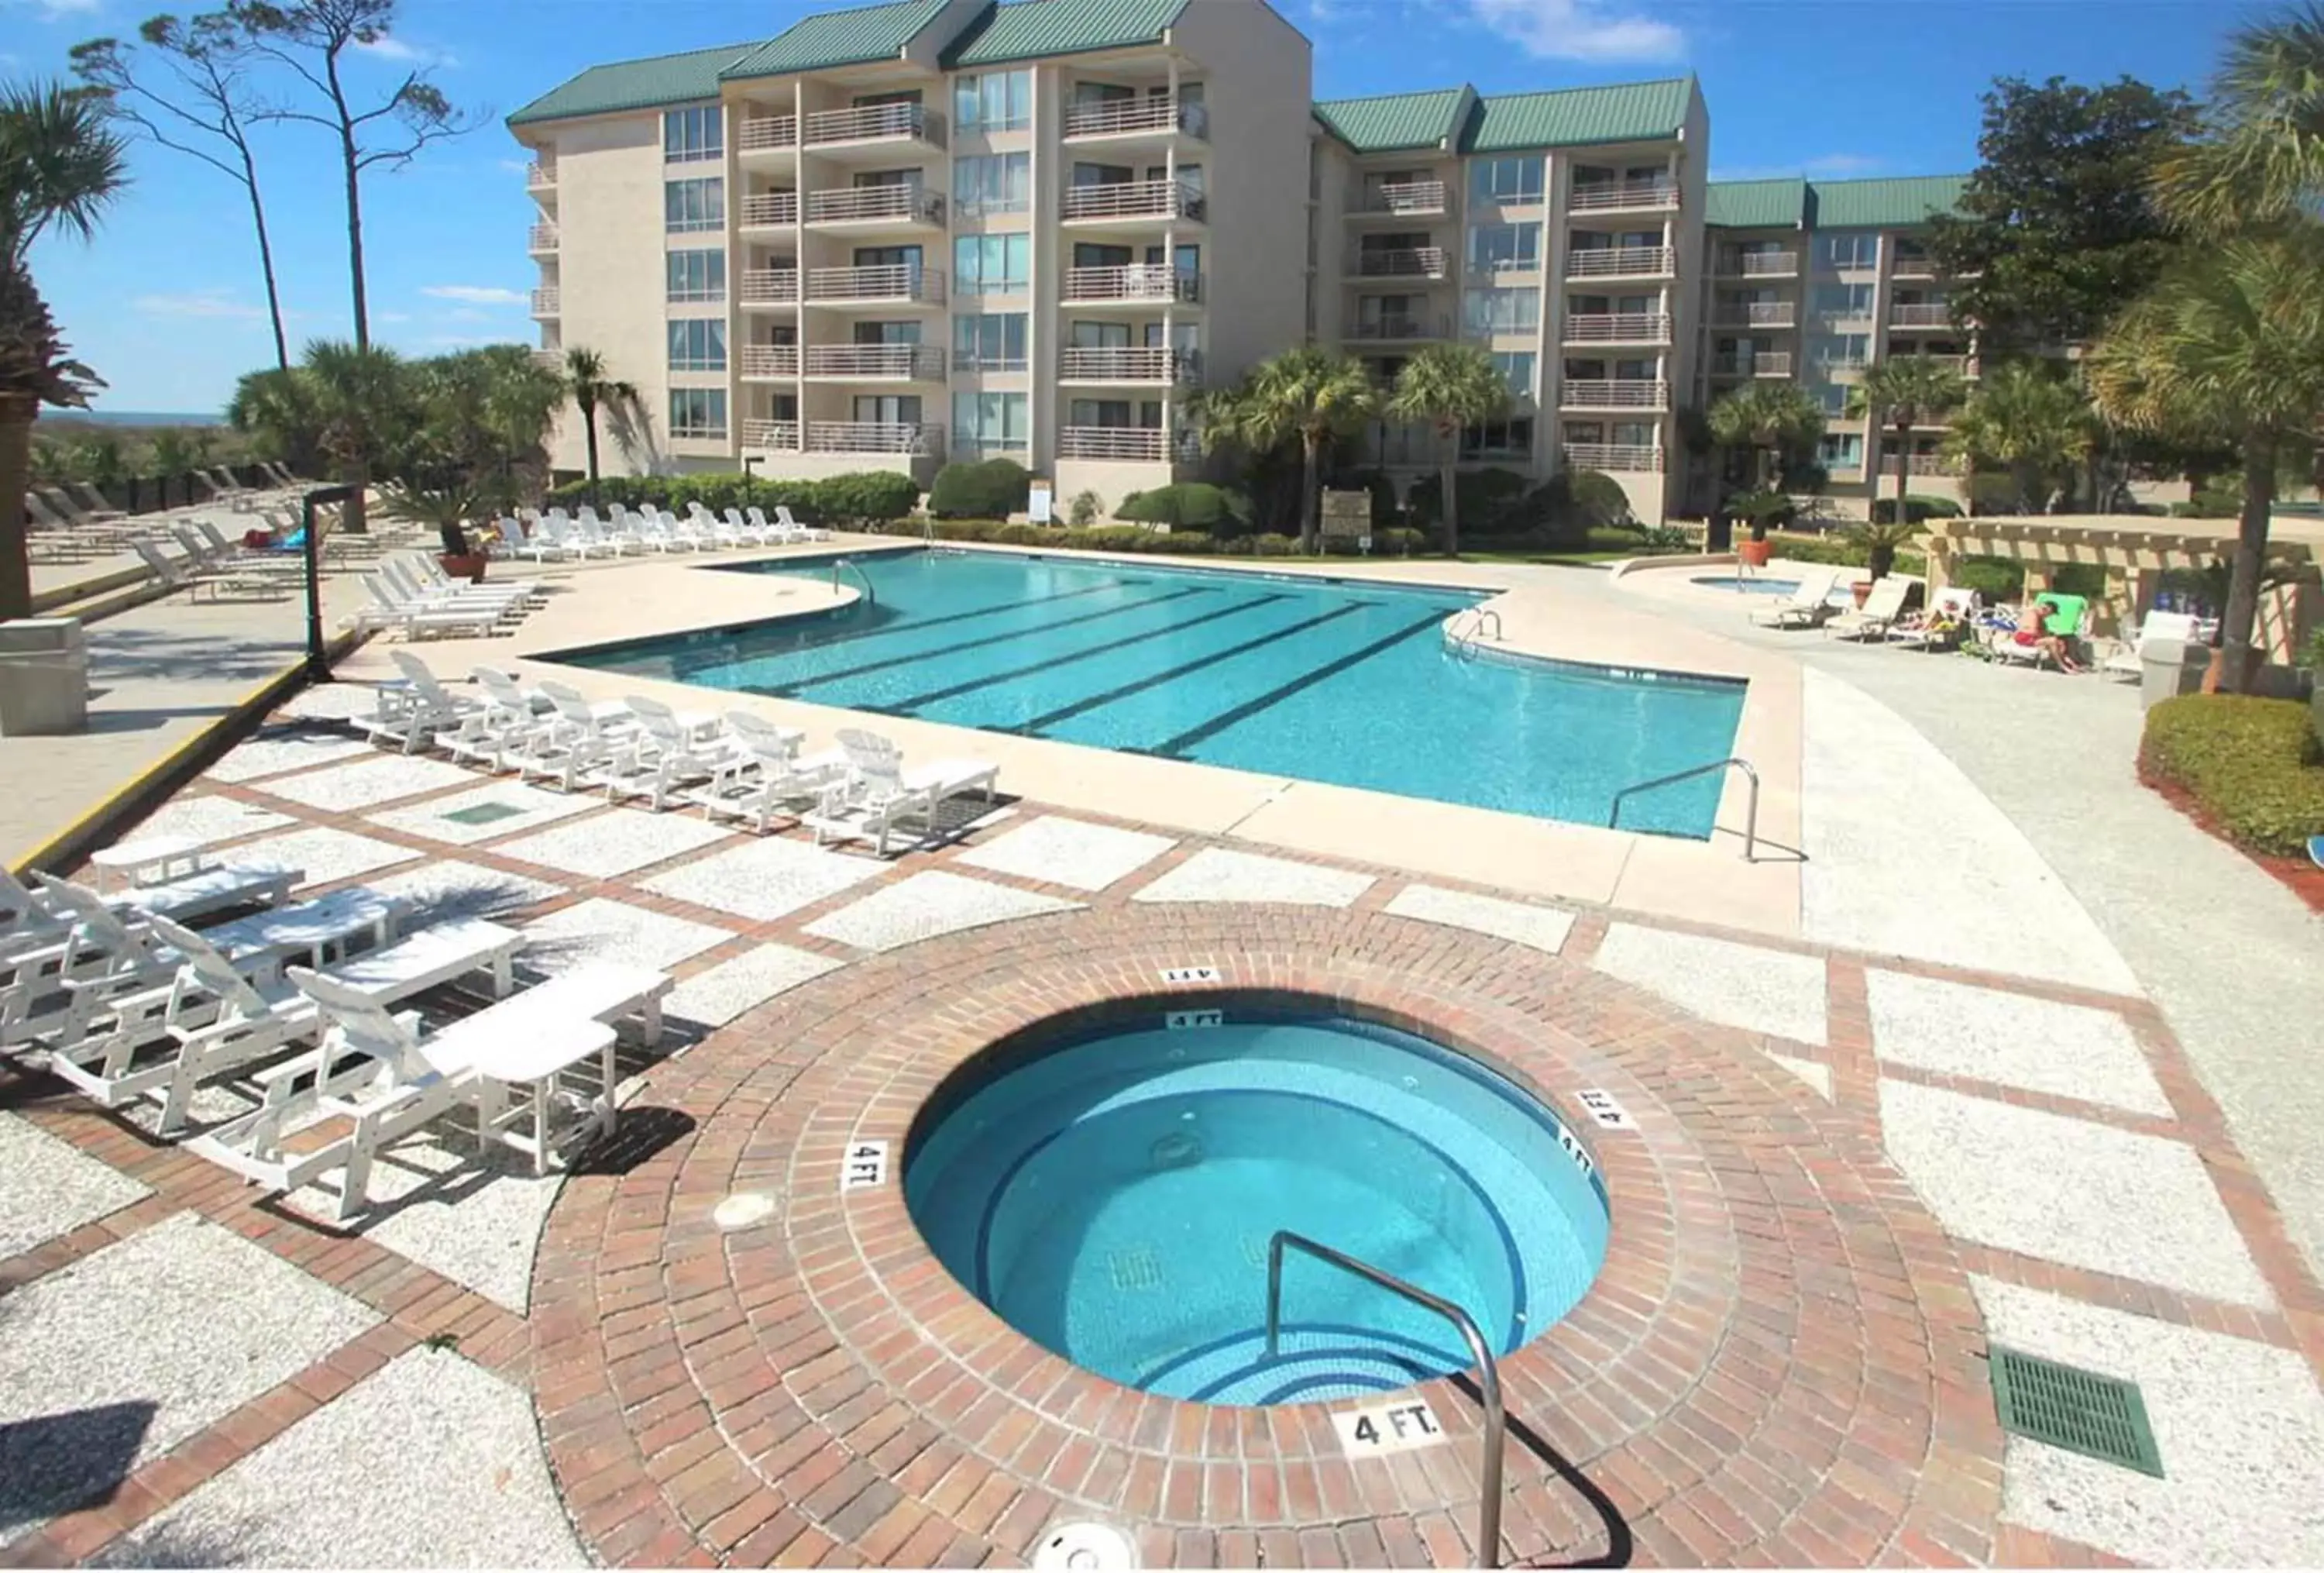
(1747, 584)
(1343, 682)
(1113, 1200)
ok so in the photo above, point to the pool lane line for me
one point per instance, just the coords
(1171, 674)
(850, 636)
(1175, 747)
(910, 705)
(915, 657)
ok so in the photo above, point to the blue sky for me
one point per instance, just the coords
(166, 304)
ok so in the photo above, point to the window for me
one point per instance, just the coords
(698, 412)
(991, 342)
(697, 344)
(688, 207)
(992, 265)
(994, 101)
(1831, 398)
(689, 136)
(1496, 436)
(1001, 183)
(1843, 300)
(1841, 450)
(1501, 312)
(1841, 349)
(1517, 368)
(1848, 251)
(696, 275)
(990, 422)
(1502, 248)
(1509, 179)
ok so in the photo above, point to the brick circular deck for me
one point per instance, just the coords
(1780, 1362)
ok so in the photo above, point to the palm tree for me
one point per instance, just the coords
(364, 413)
(1450, 387)
(1771, 420)
(1308, 393)
(276, 410)
(60, 166)
(2027, 421)
(2263, 159)
(1901, 390)
(586, 379)
(2228, 344)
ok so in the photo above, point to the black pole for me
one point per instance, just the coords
(319, 664)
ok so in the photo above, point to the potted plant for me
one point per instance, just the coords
(461, 557)
(448, 508)
(1759, 509)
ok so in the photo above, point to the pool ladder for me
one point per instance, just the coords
(870, 596)
(1489, 1372)
(1750, 820)
(1465, 645)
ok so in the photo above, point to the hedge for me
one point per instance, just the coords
(2253, 766)
(974, 491)
(1916, 509)
(1189, 506)
(859, 500)
(1135, 537)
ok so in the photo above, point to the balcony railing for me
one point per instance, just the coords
(1601, 196)
(1420, 262)
(1490, 268)
(544, 302)
(770, 207)
(770, 360)
(543, 238)
(769, 287)
(1131, 365)
(1619, 394)
(873, 123)
(762, 132)
(1759, 264)
(1924, 464)
(551, 357)
(1412, 197)
(1843, 366)
(1916, 267)
(1614, 262)
(1130, 444)
(852, 203)
(1613, 455)
(1618, 327)
(898, 281)
(540, 175)
(1137, 281)
(1938, 315)
(875, 436)
(1134, 200)
(1394, 326)
(923, 363)
(1766, 364)
(1753, 314)
(782, 436)
(1157, 113)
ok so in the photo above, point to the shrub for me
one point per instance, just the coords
(1762, 511)
(1492, 500)
(994, 489)
(1085, 508)
(1190, 505)
(1022, 534)
(1275, 545)
(1668, 538)
(1916, 509)
(1995, 579)
(1838, 550)
(2251, 764)
(867, 499)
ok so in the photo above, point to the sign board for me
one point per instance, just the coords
(1190, 975)
(1180, 1021)
(1040, 502)
(1347, 515)
(1610, 1114)
(1387, 1428)
(865, 1167)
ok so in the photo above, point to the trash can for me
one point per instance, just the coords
(2169, 667)
(43, 677)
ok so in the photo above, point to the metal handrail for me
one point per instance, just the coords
(1489, 1373)
(1750, 820)
(870, 596)
(1466, 643)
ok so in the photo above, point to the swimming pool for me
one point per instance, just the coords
(1746, 584)
(1341, 681)
(1113, 1197)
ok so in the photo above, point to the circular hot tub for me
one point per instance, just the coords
(1113, 1197)
(1746, 584)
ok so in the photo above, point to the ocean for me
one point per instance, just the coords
(137, 417)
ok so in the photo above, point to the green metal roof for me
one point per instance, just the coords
(635, 85)
(1027, 29)
(1884, 204)
(1633, 112)
(839, 38)
(1757, 204)
(1396, 121)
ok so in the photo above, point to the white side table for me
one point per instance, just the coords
(537, 1062)
(156, 860)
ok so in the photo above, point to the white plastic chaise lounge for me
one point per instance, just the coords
(430, 575)
(393, 608)
(579, 739)
(188, 574)
(1941, 625)
(406, 574)
(798, 532)
(2126, 659)
(1883, 604)
(1806, 607)
(879, 794)
(420, 710)
(663, 753)
(765, 775)
(214, 887)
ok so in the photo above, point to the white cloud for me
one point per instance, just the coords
(1579, 30)
(475, 294)
(406, 53)
(198, 303)
(467, 314)
(459, 340)
(53, 10)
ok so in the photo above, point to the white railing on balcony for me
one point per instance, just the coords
(1419, 261)
(1131, 365)
(1916, 267)
(1925, 464)
(1398, 325)
(1843, 366)
(898, 281)
(770, 360)
(874, 437)
(1133, 199)
(782, 436)
(1759, 264)
(1613, 262)
(849, 203)
(1618, 327)
(1137, 281)
(761, 132)
(1766, 364)
(553, 358)
(544, 302)
(1599, 195)
(770, 207)
(873, 122)
(1937, 315)
(1418, 196)
(540, 175)
(1753, 314)
(1157, 113)
(914, 362)
(543, 238)
(1131, 444)
(1614, 455)
(1614, 394)
(769, 287)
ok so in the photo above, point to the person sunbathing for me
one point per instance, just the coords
(2033, 632)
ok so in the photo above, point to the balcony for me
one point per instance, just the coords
(540, 175)
(1131, 365)
(544, 302)
(767, 133)
(1621, 262)
(768, 287)
(917, 439)
(1937, 315)
(774, 436)
(769, 360)
(1145, 117)
(542, 238)
(1627, 393)
(1400, 328)
(771, 210)
(901, 281)
(1631, 456)
(870, 362)
(1753, 314)
(1916, 267)
(1925, 464)
(1120, 444)
(1624, 196)
(873, 125)
(1403, 198)
(1777, 364)
(1132, 201)
(1422, 262)
(901, 205)
(1758, 265)
(1618, 327)
(551, 357)
(1138, 283)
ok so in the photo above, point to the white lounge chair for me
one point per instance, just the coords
(581, 737)
(420, 711)
(661, 755)
(190, 573)
(798, 532)
(1883, 604)
(2125, 659)
(879, 794)
(765, 775)
(1806, 607)
(1940, 626)
(397, 609)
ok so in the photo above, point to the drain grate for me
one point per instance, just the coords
(2099, 1417)
(483, 813)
